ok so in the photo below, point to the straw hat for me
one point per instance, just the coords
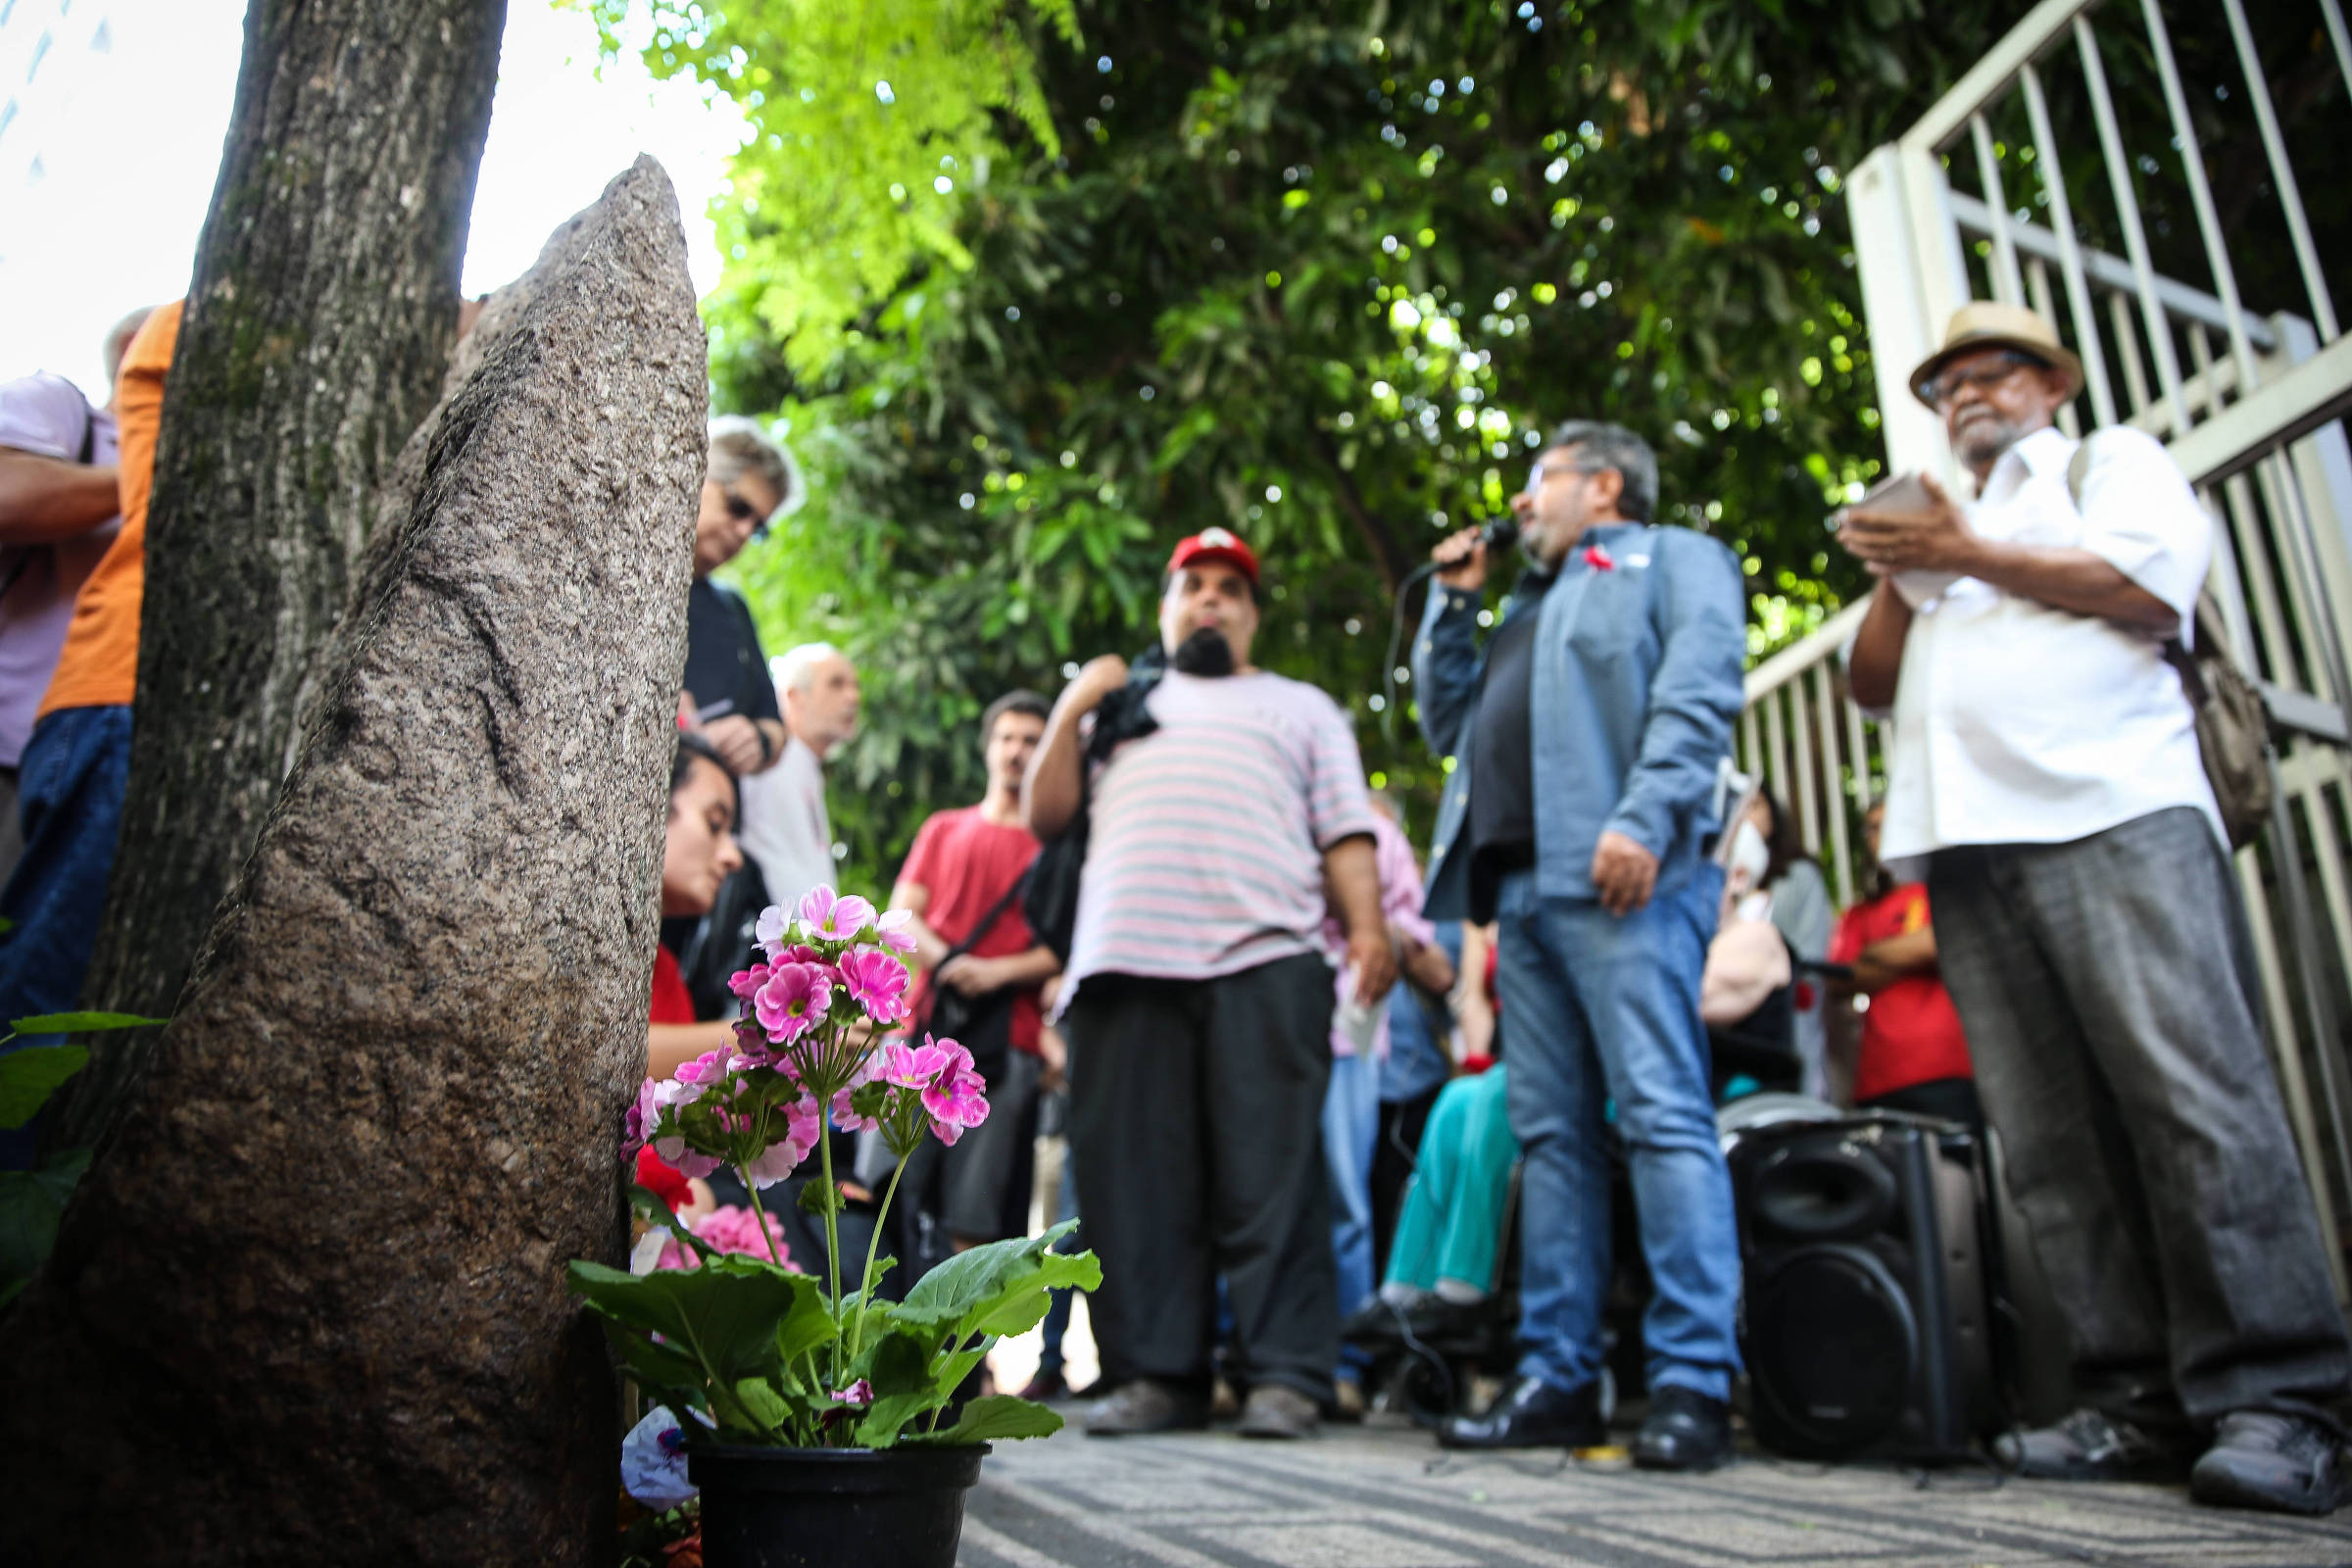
(1983, 325)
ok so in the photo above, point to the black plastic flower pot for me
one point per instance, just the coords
(803, 1507)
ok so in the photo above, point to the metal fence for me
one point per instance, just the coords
(2024, 184)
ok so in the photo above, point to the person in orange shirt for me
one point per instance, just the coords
(72, 777)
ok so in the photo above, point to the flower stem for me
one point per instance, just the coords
(858, 1329)
(824, 1148)
(759, 1216)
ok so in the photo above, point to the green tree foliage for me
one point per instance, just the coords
(1322, 274)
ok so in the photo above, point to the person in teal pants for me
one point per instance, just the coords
(1450, 1230)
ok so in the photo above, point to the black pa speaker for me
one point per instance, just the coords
(1866, 1316)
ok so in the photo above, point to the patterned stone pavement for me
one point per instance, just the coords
(1382, 1498)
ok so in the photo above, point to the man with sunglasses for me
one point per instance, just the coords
(2045, 777)
(729, 697)
(1587, 740)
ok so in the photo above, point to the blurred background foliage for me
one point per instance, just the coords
(1037, 289)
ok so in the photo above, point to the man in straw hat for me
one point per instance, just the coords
(2046, 778)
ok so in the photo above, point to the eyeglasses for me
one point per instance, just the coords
(1543, 472)
(743, 510)
(1992, 373)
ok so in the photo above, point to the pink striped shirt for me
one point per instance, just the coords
(1206, 854)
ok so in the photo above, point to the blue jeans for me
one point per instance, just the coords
(1351, 1127)
(69, 788)
(1600, 1009)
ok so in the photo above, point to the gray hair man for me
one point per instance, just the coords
(786, 829)
(2045, 776)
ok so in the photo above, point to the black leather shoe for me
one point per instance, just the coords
(1532, 1414)
(1686, 1430)
(1429, 1320)
(2091, 1445)
(2283, 1463)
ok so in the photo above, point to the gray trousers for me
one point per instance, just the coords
(2105, 987)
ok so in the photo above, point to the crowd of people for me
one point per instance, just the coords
(1312, 1102)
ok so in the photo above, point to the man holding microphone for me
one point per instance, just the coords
(1587, 742)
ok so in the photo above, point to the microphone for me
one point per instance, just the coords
(1498, 536)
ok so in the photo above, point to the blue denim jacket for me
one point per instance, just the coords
(1635, 686)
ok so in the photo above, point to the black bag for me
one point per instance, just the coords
(1052, 904)
(981, 1024)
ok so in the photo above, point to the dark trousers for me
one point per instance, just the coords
(1195, 1127)
(2103, 985)
(1392, 1159)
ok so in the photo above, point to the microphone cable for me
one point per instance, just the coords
(1498, 536)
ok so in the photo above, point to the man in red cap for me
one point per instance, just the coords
(1198, 1006)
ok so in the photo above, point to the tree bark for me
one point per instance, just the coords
(309, 1306)
(316, 332)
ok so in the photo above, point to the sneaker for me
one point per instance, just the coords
(1144, 1406)
(2091, 1446)
(2283, 1463)
(1045, 1386)
(1276, 1411)
(1686, 1430)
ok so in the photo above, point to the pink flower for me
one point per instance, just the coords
(804, 1125)
(773, 927)
(955, 1103)
(705, 1072)
(691, 1162)
(1598, 559)
(733, 1229)
(860, 1393)
(845, 1115)
(917, 1066)
(877, 982)
(895, 930)
(827, 916)
(644, 1116)
(794, 1001)
(746, 983)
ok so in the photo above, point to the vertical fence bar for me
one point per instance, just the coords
(1776, 747)
(2007, 285)
(2136, 239)
(1806, 804)
(2340, 39)
(2126, 349)
(1858, 748)
(2200, 191)
(2069, 250)
(1824, 709)
(2290, 198)
(2045, 305)
(1751, 749)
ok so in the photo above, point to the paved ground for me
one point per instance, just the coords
(1382, 1497)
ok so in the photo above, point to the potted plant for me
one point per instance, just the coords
(816, 1413)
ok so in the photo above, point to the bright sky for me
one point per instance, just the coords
(111, 114)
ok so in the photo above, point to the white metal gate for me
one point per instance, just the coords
(2250, 406)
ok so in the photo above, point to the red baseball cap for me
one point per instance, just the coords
(1214, 544)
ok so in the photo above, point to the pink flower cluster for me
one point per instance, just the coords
(730, 1229)
(794, 992)
(941, 1073)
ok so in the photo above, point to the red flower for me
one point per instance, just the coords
(1598, 559)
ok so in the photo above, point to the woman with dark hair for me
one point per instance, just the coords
(698, 855)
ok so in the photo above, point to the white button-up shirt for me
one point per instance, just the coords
(2018, 723)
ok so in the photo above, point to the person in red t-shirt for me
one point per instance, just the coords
(963, 865)
(698, 854)
(1914, 1055)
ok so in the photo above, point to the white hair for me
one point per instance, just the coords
(793, 671)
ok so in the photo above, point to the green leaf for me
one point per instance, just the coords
(32, 1202)
(84, 1023)
(723, 1317)
(29, 1077)
(760, 1399)
(995, 1288)
(999, 1415)
(899, 1366)
(820, 1198)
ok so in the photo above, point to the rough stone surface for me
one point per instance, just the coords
(309, 1306)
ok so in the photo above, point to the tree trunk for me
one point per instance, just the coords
(316, 332)
(309, 1305)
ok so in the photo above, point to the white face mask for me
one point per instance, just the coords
(1750, 859)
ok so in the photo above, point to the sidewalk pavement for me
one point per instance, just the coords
(1384, 1498)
